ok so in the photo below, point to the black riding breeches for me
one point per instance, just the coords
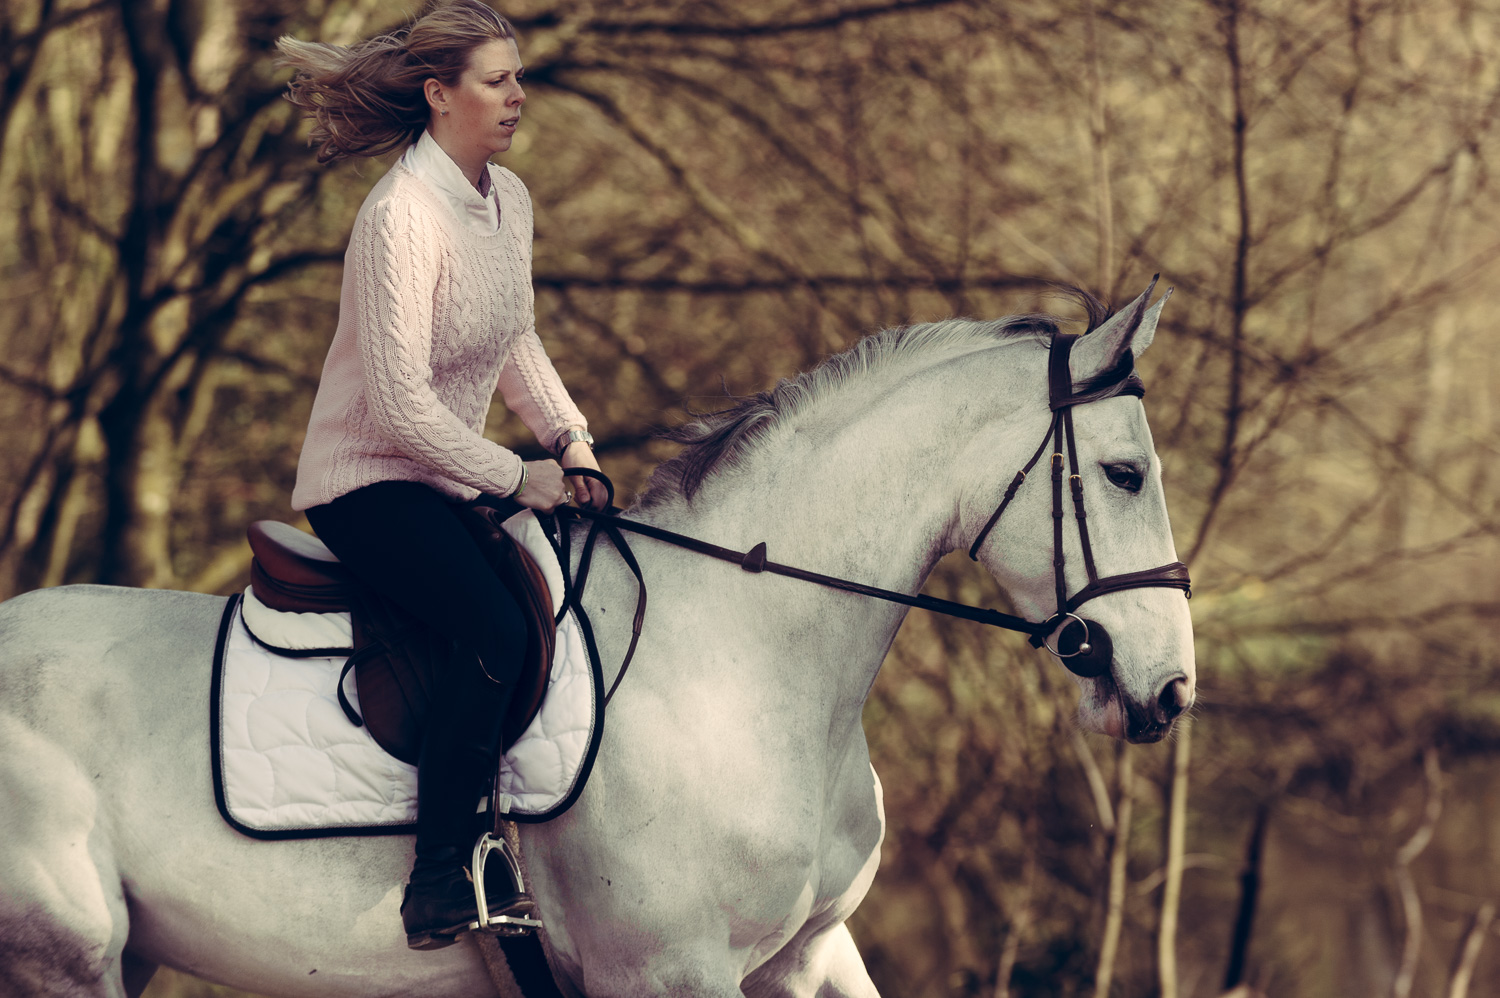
(404, 540)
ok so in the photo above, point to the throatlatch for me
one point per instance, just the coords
(1083, 645)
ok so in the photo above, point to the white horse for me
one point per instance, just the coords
(733, 820)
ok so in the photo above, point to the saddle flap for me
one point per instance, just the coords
(527, 584)
(395, 682)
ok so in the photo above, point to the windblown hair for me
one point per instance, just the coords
(719, 439)
(366, 99)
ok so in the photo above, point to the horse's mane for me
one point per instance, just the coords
(722, 437)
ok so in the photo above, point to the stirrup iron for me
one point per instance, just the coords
(500, 925)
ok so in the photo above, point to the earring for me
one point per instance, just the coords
(443, 113)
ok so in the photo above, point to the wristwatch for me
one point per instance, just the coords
(570, 437)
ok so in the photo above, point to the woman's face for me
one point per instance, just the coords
(485, 107)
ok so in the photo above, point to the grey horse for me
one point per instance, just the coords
(733, 821)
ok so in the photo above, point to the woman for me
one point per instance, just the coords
(435, 312)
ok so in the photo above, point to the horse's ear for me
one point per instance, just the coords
(1131, 328)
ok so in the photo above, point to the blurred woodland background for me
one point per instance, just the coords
(727, 192)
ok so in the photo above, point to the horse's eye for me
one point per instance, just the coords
(1125, 476)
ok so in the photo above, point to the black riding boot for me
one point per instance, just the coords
(459, 755)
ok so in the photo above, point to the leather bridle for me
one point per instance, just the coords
(1083, 645)
(1090, 652)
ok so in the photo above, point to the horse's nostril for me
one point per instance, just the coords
(1173, 698)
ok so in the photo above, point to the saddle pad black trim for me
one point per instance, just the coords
(297, 652)
(586, 767)
(217, 756)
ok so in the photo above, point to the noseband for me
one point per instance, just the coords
(1084, 646)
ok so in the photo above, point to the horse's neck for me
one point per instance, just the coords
(866, 488)
(870, 498)
(843, 505)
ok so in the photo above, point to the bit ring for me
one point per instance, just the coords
(1083, 646)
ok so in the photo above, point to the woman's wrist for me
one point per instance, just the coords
(521, 487)
(570, 436)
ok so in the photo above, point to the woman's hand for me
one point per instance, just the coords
(544, 489)
(587, 491)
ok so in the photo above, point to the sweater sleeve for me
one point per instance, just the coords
(396, 280)
(528, 382)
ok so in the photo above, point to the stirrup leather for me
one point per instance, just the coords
(500, 925)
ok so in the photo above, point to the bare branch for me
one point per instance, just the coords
(1171, 898)
(768, 29)
(1468, 956)
(1239, 307)
(1244, 920)
(1411, 902)
(1095, 778)
(1114, 918)
(751, 285)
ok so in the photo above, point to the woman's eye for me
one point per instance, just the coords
(1125, 476)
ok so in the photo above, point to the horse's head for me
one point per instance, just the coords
(1119, 619)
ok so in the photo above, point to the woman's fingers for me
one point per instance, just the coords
(597, 493)
(544, 486)
(588, 492)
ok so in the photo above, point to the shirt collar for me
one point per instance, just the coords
(438, 170)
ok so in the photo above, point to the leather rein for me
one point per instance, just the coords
(1087, 654)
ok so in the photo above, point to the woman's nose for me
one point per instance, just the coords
(518, 96)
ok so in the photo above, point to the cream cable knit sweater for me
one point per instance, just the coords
(432, 317)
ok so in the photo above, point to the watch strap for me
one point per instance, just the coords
(570, 437)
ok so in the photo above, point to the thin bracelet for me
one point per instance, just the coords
(522, 487)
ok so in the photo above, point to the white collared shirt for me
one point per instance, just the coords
(480, 212)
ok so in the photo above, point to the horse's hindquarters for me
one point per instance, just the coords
(110, 839)
(76, 708)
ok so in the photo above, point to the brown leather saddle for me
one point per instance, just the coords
(396, 658)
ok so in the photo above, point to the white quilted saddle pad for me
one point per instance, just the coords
(289, 763)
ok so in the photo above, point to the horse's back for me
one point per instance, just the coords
(97, 668)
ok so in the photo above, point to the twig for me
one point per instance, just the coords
(1171, 898)
(1096, 781)
(765, 29)
(1115, 914)
(1099, 145)
(1463, 971)
(1411, 902)
(1190, 861)
(1235, 408)
(1020, 922)
(1244, 921)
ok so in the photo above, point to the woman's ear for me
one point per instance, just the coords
(436, 99)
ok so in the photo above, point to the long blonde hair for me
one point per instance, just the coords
(367, 99)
